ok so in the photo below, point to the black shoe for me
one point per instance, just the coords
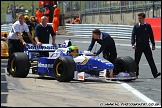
(158, 74)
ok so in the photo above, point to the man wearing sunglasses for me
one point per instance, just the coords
(142, 34)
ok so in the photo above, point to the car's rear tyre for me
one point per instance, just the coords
(19, 65)
(125, 64)
(64, 68)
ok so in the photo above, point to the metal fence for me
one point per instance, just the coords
(70, 7)
(85, 8)
(6, 27)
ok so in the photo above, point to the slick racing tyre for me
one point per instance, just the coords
(19, 65)
(125, 64)
(64, 68)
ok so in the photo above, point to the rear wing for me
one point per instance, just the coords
(44, 47)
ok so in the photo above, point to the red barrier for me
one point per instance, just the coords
(156, 27)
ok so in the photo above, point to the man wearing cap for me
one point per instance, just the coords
(31, 27)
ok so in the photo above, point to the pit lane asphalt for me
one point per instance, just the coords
(33, 91)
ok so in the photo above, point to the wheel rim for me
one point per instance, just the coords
(59, 69)
(13, 68)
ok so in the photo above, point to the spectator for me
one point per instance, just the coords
(17, 7)
(31, 7)
(22, 7)
(36, 11)
(7, 5)
(68, 6)
(76, 6)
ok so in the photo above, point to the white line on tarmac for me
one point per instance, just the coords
(137, 93)
(155, 63)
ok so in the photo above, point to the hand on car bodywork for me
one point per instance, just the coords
(53, 43)
(39, 43)
(93, 54)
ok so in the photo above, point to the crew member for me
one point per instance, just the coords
(56, 12)
(142, 34)
(42, 34)
(31, 28)
(15, 40)
(55, 24)
(107, 43)
(39, 14)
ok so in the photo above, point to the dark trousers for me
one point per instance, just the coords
(110, 53)
(14, 46)
(148, 54)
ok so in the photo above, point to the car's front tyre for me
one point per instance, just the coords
(19, 65)
(64, 67)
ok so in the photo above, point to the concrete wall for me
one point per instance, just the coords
(121, 19)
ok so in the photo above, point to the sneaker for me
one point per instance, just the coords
(7, 72)
(158, 74)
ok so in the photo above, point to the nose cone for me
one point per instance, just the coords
(106, 65)
(99, 63)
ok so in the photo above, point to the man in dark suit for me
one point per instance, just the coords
(107, 43)
(142, 34)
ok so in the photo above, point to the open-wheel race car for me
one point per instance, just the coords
(66, 63)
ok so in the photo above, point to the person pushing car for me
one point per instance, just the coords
(107, 43)
(15, 39)
(42, 33)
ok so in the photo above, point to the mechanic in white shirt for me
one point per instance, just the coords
(15, 40)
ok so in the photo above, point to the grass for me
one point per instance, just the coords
(26, 5)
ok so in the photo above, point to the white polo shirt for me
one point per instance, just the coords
(17, 27)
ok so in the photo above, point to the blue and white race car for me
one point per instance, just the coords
(66, 63)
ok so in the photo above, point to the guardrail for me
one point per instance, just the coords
(85, 30)
(6, 27)
(117, 31)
